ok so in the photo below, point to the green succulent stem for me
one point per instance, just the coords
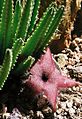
(41, 30)
(24, 22)
(34, 16)
(53, 26)
(6, 67)
(16, 17)
(6, 26)
(16, 50)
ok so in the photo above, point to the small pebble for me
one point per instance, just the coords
(69, 104)
(80, 89)
(71, 111)
(39, 115)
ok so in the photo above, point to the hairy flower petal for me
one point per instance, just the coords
(46, 78)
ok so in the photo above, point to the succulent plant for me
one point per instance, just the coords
(23, 35)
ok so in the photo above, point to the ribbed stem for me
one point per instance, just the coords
(6, 26)
(38, 35)
(16, 50)
(53, 26)
(16, 17)
(34, 16)
(24, 23)
(6, 67)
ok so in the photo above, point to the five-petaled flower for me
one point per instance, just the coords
(47, 78)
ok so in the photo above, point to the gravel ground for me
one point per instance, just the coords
(69, 102)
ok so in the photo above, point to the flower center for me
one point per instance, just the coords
(44, 77)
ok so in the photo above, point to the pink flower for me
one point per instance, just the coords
(47, 78)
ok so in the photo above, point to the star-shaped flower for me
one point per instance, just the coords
(45, 77)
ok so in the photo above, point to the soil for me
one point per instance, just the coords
(15, 103)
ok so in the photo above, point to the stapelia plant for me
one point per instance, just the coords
(45, 77)
(21, 39)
